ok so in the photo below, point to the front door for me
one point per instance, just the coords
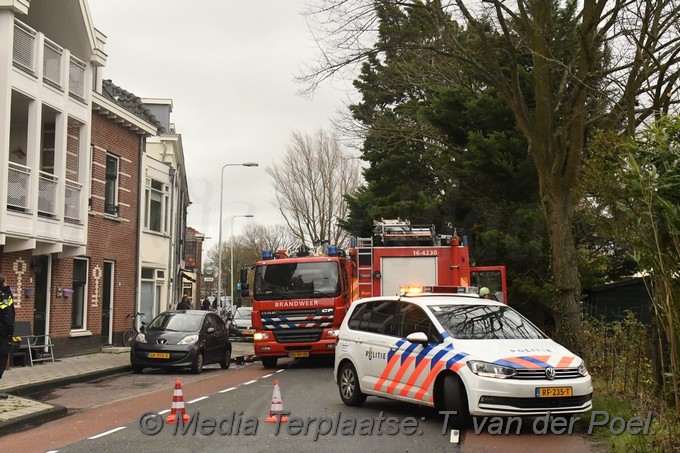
(41, 267)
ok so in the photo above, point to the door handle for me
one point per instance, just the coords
(358, 340)
(393, 348)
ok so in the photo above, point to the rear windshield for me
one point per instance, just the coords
(467, 322)
(176, 322)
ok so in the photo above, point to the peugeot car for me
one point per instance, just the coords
(182, 339)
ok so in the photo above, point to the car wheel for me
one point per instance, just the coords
(198, 363)
(137, 369)
(455, 400)
(269, 362)
(348, 384)
(226, 361)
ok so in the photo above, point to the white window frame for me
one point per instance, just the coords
(84, 294)
(165, 203)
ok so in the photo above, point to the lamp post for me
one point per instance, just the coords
(219, 240)
(231, 264)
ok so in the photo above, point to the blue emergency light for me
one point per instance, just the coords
(266, 254)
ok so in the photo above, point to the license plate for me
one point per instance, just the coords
(299, 354)
(248, 332)
(159, 355)
(553, 392)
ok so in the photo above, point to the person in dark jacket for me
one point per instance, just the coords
(185, 303)
(7, 315)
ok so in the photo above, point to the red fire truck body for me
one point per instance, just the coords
(300, 301)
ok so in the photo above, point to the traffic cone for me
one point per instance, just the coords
(177, 405)
(276, 409)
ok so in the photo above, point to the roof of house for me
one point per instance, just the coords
(130, 102)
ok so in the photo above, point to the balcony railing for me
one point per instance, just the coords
(24, 56)
(72, 200)
(47, 194)
(23, 51)
(18, 178)
(52, 55)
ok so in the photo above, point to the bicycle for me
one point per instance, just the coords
(130, 333)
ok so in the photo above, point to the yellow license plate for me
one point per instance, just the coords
(299, 354)
(159, 355)
(553, 392)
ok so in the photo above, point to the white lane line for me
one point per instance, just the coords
(164, 412)
(266, 376)
(228, 390)
(197, 399)
(250, 382)
(107, 432)
(278, 371)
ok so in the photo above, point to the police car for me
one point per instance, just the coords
(456, 352)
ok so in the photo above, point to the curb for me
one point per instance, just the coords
(28, 389)
(36, 418)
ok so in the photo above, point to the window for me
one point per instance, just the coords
(376, 317)
(79, 302)
(156, 206)
(414, 319)
(111, 187)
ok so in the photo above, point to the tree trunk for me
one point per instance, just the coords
(558, 211)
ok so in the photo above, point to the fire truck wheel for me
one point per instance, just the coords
(269, 362)
(348, 384)
(455, 401)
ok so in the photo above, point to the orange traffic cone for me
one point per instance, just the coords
(276, 409)
(177, 405)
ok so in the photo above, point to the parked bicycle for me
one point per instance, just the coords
(130, 333)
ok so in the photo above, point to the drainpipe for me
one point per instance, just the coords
(172, 268)
(140, 225)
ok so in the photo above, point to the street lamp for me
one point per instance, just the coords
(231, 265)
(219, 240)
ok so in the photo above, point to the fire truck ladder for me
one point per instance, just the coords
(401, 233)
(365, 268)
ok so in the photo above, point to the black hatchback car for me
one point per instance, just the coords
(182, 339)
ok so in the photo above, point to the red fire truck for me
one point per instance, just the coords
(300, 301)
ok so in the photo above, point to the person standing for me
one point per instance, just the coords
(185, 303)
(7, 316)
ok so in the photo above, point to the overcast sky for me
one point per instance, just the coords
(228, 67)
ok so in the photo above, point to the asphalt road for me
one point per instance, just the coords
(228, 409)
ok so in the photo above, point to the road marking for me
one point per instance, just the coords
(197, 399)
(250, 382)
(455, 436)
(228, 390)
(278, 371)
(164, 412)
(107, 432)
(266, 376)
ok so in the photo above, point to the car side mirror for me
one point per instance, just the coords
(211, 330)
(418, 337)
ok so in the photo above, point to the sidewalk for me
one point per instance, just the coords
(17, 410)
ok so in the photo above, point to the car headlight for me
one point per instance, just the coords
(261, 336)
(140, 338)
(189, 339)
(582, 370)
(492, 370)
(333, 333)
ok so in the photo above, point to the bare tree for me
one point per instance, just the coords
(588, 61)
(257, 238)
(311, 183)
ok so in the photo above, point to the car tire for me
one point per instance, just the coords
(269, 362)
(197, 367)
(348, 385)
(226, 361)
(137, 369)
(455, 400)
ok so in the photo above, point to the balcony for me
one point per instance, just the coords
(25, 53)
